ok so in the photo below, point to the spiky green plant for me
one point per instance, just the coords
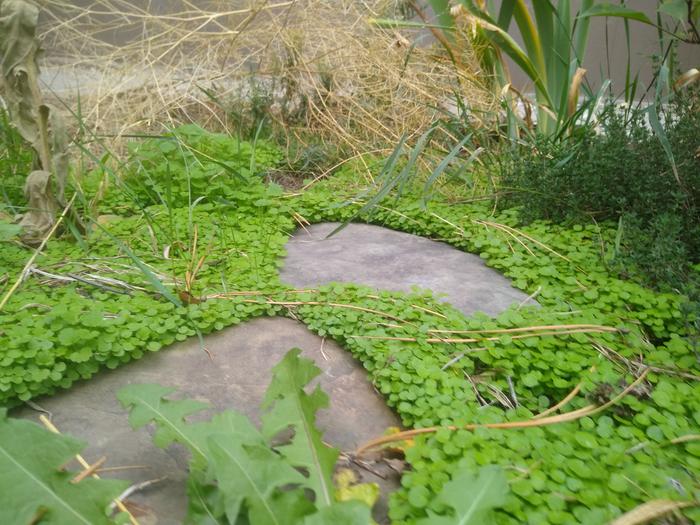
(554, 36)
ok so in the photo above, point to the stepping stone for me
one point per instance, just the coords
(236, 376)
(386, 259)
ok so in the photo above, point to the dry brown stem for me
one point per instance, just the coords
(320, 66)
(551, 420)
(52, 428)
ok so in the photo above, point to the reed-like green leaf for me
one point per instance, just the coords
(581, 28)
(561, 69)
(662, 83)
(505, 14)
(441, 8)
(531, 38)
(615, 10)
(510, 47)
(544, 17)
(439, 170)
(391, 23)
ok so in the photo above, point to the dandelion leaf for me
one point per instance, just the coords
(344, 513)
(472, 497)
(33, 486)
(254, 473)
(148, 405)
(291, 407)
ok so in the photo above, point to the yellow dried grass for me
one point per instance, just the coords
(329, 71)
(652, 510)
(536, 421)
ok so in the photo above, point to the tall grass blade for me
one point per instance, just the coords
(662, 83)
(442, 166)
(145, 270)
(391, 23)
(387, 170)
(390, 183)
(415, 153)
(252, 165)
(84, 130)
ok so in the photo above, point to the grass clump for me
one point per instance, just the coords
(307, 68)
(16, 160)
(190, 164)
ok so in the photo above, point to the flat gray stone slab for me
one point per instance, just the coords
(236, 377)
(390, 260)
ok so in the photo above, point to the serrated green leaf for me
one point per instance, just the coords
(32, 483)
(148, 404)
(251, 474)
(292, 407)
(232, 467)
(345, 513)
(473, 497)
(205, 504)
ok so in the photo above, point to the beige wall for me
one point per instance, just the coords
(644, 44)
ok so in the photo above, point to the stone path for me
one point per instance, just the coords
(242, 358)
(391, 260)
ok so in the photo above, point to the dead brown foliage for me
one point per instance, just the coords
(313, 66)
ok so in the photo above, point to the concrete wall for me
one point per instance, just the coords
(607, 49)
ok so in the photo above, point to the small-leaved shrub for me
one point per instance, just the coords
(621, 171)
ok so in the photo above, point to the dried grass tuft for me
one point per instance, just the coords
(310, 65)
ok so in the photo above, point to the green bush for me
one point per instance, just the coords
(622, 171)
(190, 163)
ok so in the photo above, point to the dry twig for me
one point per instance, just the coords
(117, 502)
(551, 420)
